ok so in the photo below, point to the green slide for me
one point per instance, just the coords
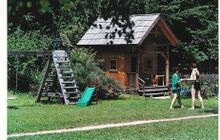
(86, 96)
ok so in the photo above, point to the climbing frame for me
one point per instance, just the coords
(58, 81)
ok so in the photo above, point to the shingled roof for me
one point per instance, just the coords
(143, 24)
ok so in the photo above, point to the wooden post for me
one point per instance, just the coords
(137, 68)
(167, 66)
(166, 57)
(16, 77)
(44, 80)
(96, 89)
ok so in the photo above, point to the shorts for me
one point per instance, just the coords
(196, 85)
(176, 91)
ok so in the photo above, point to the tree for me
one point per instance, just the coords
(195, 24)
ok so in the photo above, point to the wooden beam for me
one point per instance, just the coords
(167, 32)
(39, 93)
(29, 53)
(167, 67)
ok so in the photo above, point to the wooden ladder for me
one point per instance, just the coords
(58, 81)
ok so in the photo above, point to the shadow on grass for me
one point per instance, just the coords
(213, 110)
(12, 107)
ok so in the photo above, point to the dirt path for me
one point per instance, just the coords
(87, 128)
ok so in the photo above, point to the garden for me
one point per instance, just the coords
(42, 26)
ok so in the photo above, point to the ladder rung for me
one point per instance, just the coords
(57, 56)
(71, 92)
(73, 97)
(64, 67)
(66, 76)
(70, 87)
(68, 82)
(49, 80)
(67, 61)
(72, 103)
(67, 72)
(51, 75)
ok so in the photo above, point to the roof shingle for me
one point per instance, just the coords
(143, 24)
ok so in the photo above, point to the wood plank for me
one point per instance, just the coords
(168, 33)
(71, 92)
(63, 61)
(153, 90)
(30, 53)
(70, 87)
(68, 82)
(151, 94)
(43, 81)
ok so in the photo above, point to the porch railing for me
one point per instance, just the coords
(141, 83)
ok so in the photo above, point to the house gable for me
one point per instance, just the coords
(143, 24)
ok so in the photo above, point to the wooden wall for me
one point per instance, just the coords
(122, 65)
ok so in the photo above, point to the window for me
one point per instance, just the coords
(113, 65)
(101, 63)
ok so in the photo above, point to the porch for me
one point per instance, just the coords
(149, 71)
(144, 88)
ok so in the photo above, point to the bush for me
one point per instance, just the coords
(85, 68)
(209, 85)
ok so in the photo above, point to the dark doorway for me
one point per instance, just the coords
(133, 64)
(160, 65)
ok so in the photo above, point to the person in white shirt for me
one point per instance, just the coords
(195, 90)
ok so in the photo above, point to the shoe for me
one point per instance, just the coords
(182, 106)
(191, 108)
(171, 107)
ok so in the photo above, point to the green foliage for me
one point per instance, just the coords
(27, 41)
(196, 25)
(194, 22)
(86, 68)
(28, 67)
(209, 85)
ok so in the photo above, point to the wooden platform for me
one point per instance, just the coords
(151, 91)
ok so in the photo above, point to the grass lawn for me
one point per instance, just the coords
(196, 129)
(24, 115)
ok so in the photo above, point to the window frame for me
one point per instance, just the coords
(116, 64)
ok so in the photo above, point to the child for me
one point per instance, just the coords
(154, 80)
(176, 88)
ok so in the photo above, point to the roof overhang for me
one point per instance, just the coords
(144, 23)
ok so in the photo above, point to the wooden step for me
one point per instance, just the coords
(75, 97)
(51, 75)
(64, 67)
(70, 87)
(67, 72)
(153, 89)
(49, 80)
(72, 103)
(49, 94)
(151, 94)
(67, 61)
(66, 76)
(68, 82)
(71, 92)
